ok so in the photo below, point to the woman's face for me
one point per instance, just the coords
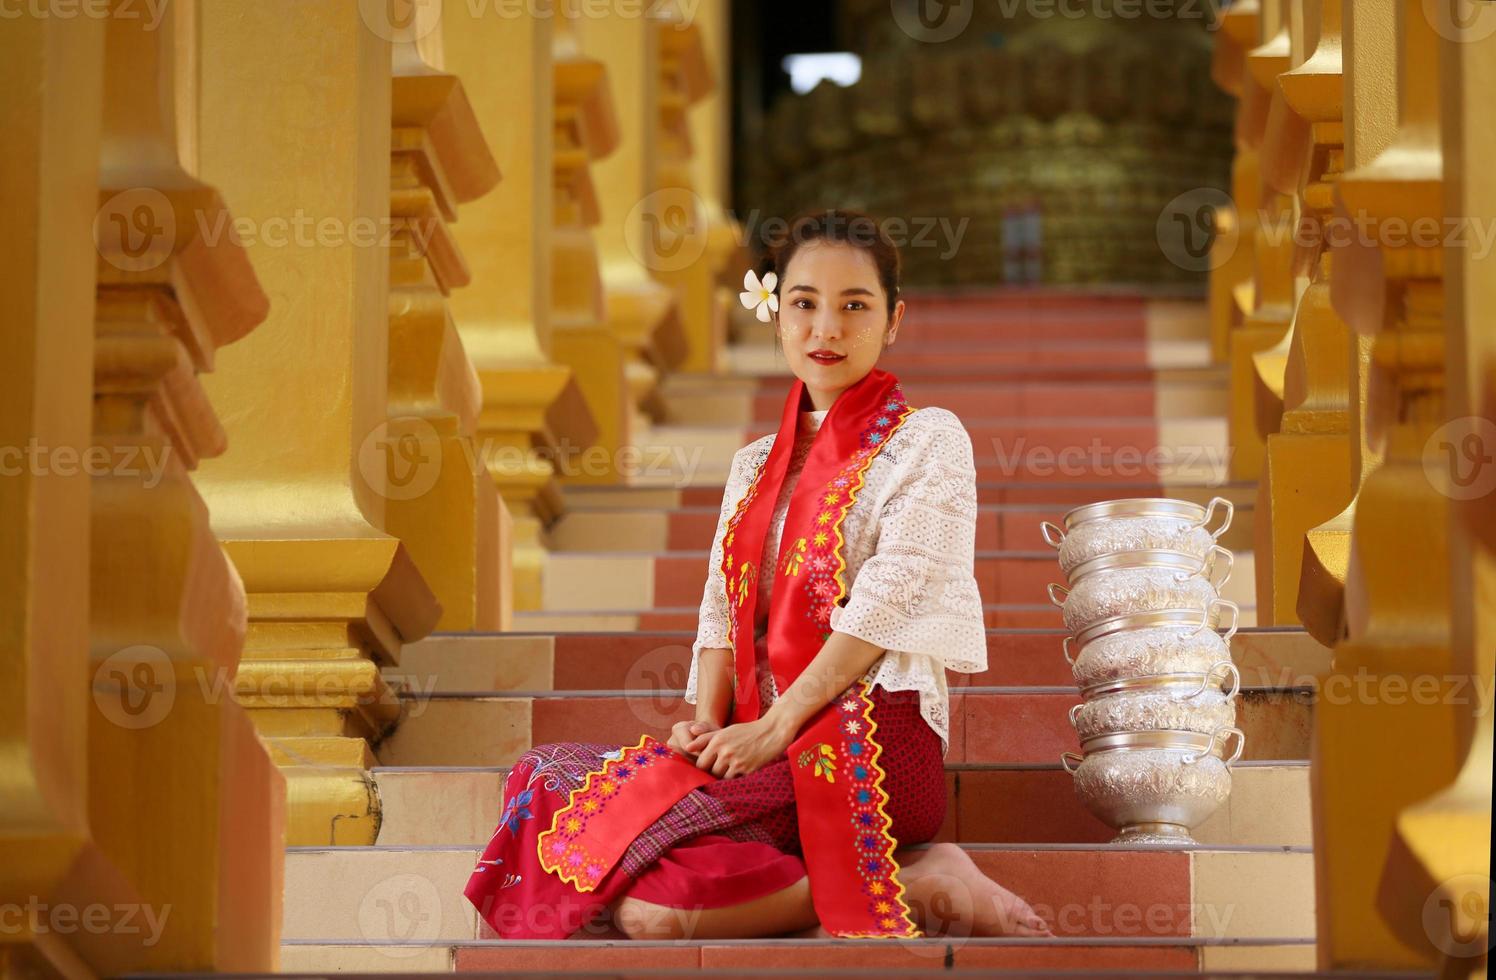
(830, 299)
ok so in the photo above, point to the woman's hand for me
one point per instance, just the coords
(740, 749)
(683, 733)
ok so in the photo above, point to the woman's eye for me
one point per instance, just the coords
(802, 304)
(855, 304)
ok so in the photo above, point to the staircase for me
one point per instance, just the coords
(1064, 395)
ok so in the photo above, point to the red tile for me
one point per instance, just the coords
(545, 958)
(879, 955)
(1123, 959)
(1018, 727)
(1015, 806)
(1100, 892)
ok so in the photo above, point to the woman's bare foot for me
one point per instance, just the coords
(949, 894)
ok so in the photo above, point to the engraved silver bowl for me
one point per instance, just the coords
(1154, 787)
(1124, 590)
(1135, 524)
(1169, 641)
(1181, 702)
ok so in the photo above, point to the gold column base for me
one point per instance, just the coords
(325, 616)
(529, 560)
(596, 359)
(1327, 556)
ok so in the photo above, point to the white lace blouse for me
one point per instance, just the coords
(910, 542)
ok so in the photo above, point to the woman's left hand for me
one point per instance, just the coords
(740, 749)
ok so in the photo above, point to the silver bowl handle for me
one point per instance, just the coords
(1075, 708)
(1065, 758)
(1228, 731)
(1215, 551)
(1049, 529)
(1065, 646)
(1210, 509)
(1235, 615)
(1205, 679)
(1058, 602)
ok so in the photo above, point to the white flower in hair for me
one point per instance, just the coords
(760, 295)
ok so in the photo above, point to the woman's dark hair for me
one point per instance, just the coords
(839, 226)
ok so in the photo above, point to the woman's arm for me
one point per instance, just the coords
(714, 677)
(841, 660)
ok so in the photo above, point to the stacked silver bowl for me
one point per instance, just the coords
(1144, 612)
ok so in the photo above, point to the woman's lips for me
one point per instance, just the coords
(820, 359)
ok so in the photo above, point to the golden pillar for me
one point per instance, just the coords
(1385, 707)
(679, 226)
(442, 501)
(632, 238)
(1370, 90)
(535, 417)
(727, 254)
(1231, 287)
(585, 130)
(1272, 293)
(1435, 887)
(153, 798)
(1306, 476)
(294, 126)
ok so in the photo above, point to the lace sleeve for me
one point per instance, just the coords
(918, 592)
(712, 622)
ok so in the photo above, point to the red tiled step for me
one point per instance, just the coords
(879, 958)
(1027, 353)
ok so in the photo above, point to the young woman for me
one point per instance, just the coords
(840, 589)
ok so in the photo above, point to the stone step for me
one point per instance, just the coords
(413, 895)
(1279, 657)
(1269, 804)
(640, 580)
(796, 959)
(684, 618)
(998, 725)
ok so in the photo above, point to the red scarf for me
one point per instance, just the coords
(838, 779)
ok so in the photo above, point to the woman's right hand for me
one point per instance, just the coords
(683, 733)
